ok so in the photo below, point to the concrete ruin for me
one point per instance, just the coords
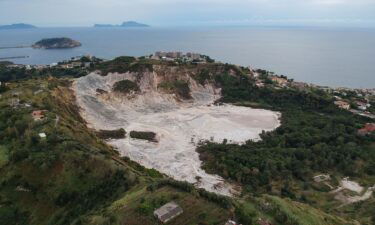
(167, 212)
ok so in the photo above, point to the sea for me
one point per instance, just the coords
(337, 57)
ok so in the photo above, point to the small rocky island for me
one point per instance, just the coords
(127, 24)
(17, 26)
(56, 43)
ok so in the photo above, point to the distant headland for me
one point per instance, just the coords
(127, 24)
(56, 43)
(17, 26)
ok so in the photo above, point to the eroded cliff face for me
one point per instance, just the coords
(179, 122)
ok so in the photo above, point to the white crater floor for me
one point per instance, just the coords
(179, 126)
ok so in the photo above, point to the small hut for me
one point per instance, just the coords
(168, 212)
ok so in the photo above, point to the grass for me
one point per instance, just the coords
(288, 212)
(4, 156)
(126, 210)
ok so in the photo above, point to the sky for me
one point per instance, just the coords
(51, 13)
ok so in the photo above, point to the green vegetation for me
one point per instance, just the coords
(53, 181)
(111, 134)
(283, 211)
(125, 64)
(315, 137)
(119, 65)
(73, 177)
(125, 86)
(4, 156)
(13, 74)
(223, 201)
(179, 87)
(137, 208)
(56, 43)
(3, 88)
(203, 76)
(144, 135)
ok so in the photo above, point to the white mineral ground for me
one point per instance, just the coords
(353, 186)
(179, 125)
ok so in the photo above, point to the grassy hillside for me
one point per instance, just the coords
(284, 212)
(72, 176)
(56, 179)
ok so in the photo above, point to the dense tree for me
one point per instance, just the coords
(314, 136)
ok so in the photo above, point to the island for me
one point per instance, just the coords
(127, 24)
(17, 26)
(56, 43)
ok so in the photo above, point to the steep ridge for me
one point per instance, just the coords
(180, 120)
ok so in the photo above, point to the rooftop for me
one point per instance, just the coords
(168, 212)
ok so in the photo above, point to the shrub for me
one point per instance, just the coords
(114, 134)
(125, 86)
(179, 87)
(203, 76)
(144, 135)
(182, 89)
(223, 201)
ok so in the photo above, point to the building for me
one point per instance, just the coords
(168, 212)
(14, 102)
(76, 64)
(170, 55)
(300, 85)
(42, 135)
(264, 222)
(38, 114)
(369, 128)
(158, 54)
(231, 222)
(279, 80)
(259, 84)
(193, 56)
(362, 105)
(342, 105)
(66, 66)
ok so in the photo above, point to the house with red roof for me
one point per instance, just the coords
(368, 128)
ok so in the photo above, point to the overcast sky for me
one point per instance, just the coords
(190, 12)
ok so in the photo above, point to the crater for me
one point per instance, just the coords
(178, 124)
